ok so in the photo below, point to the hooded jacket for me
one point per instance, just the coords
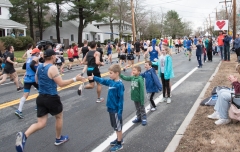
(152, 82)
(237, 43)
(168, 69)
(137, 88)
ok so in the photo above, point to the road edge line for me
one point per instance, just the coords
(172, 146)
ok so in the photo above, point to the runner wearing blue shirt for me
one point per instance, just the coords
(189, 48)
(195, 40)
(109, 48)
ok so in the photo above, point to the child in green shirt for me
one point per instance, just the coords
(137, 94)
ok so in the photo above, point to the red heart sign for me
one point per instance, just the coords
(220, 24)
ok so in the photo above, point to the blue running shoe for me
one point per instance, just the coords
(62, 140)
(144, 122)
(116, 148)
(136, 120)
(19, 114)
(20, 141)
(113, 143)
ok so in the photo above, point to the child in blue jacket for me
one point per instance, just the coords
(114, 103)
(152, 83)
(165, 71)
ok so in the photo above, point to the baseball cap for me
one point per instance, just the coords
(123, 43)
(36, 50)
(49, 52)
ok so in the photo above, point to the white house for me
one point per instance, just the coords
(105, 27)
(6, 25)
(69, 33)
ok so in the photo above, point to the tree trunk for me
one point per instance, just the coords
(30, 15)
(57, 23)
(80, 26)
(111, 28)
(41, 23)
(39, 18)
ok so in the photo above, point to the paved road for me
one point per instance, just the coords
(87, 122)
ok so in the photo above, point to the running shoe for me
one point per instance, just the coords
(80, 89)
(113, 143)
(169, 100)
(36, 108)
(144, 122)
(19, 89)
(136, 120)
(116, 147)
(62, 140)
(100, 100)
(153, 109)
(20, 141)
(19, 114)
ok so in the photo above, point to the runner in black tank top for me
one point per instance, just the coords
(93, 62)
(84, 51)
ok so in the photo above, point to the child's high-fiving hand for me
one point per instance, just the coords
(90, 77)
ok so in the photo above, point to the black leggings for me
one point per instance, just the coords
(151, 95)
(166, 86)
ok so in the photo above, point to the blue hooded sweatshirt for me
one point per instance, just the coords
(152, 82)
(237, 43)
(115, 97)
(168, 69)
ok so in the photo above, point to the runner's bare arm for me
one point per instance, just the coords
(24, 55)
(53, 73)
(36, 77)
(147, 51)
(84, 60)
(97, 58)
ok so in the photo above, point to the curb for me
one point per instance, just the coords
(172, 146)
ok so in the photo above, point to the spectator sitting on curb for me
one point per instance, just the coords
(223, 101)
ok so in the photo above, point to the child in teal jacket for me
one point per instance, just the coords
(165, 71)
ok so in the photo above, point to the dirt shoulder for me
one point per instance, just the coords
(202, 134)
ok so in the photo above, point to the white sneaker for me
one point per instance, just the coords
(153, 109)
(169, 100)
(163, 99)
(222, 121)
(215, 115)
(100, 100)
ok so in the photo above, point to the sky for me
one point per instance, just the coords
(195, 11)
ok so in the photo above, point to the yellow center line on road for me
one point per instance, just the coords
(14, 102)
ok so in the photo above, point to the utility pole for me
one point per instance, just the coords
(133, 22)
(216, 15)
(234, 18)
(225, 1)
(210, 29)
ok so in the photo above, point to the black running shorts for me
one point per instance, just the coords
(76, 57)
(70, 59)
(95, 71)
(115, 122)
(130, 57)
(122, 57)
(27, 86)
(48, 104)
(137, 49)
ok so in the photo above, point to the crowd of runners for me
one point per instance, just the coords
(45, 77)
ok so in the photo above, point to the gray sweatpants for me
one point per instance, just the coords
(141, 113)
(223, 103)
